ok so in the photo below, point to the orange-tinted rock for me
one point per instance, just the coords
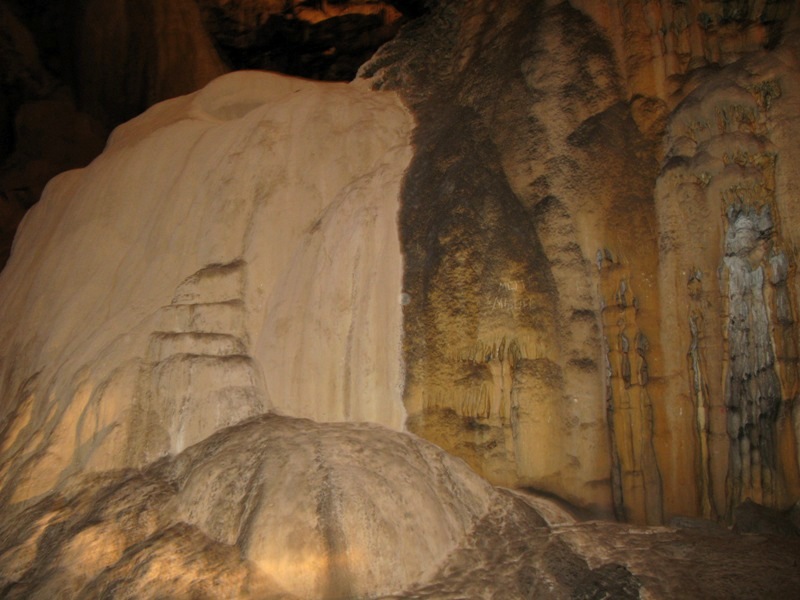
(581, 167)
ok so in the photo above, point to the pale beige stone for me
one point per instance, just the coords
(232, 252)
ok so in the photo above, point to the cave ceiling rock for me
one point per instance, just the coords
(320, 40)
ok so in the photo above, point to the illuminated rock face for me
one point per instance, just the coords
(582, 316)
(339, 511)
(232, 252)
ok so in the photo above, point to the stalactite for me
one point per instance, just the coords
(617, 492)
(753, 391)
(636, 482)
(701, 405)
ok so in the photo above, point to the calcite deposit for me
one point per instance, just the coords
(273, 507)
(599, 263)
(426, 334)
(209, 263)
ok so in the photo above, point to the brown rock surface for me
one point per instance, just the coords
(131, 55)
(564, 229)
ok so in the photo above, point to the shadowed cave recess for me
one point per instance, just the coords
(410, 299)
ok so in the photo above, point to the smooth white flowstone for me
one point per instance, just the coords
(231, 252)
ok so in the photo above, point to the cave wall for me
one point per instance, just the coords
(598, 259)
(574, 281)
(738, 295)
(130, 55)
(599, 274)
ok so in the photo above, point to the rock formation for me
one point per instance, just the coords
(287, 492)
(186, 251)
(556, 239)
(571, 283)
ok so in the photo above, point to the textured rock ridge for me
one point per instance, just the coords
(271, 508)
(580, 318)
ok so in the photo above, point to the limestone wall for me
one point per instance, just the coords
(583, 317)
